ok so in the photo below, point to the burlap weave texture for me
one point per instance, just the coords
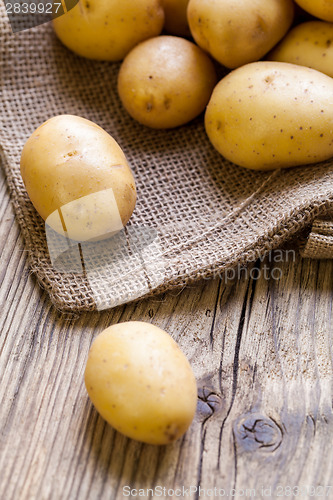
(208, 214)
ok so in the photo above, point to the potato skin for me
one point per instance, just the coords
(268, 115)
(308, 44)
(109, 29)
(318, 8)
(141, 383)
(166, 81)
(68, 158)
(175, 22)
(239, 32)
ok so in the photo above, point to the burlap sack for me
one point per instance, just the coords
(319, 243)
(196, 214)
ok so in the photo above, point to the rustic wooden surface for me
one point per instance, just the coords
(260, 348)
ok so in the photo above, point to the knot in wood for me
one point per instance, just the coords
(209, 402)
(255, 432)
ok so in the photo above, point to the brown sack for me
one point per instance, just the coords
(197, 215)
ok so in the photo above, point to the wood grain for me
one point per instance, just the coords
(260, 348)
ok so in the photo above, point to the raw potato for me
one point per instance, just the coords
(318, 8)
(141, 383)
(175, 22)
(267, 115)
(78, 179)
(308, 44)
(166, 81)
(109, 29)
(236, 32)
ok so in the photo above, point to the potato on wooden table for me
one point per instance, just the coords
(141, 383)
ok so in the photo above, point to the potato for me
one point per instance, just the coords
(236, 32)
(175, 12)
(141, 383)
(166, 81)
(267, 115)
(318, 8)
(308, 44)
(78, 179)
(109, 29)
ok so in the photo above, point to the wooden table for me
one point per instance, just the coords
(261, 350)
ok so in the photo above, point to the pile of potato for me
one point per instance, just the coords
(273, 110)
(263, 116)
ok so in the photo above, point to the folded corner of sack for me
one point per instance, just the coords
(319, 242)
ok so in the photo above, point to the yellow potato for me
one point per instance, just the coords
(175, 12)
(308, 44)
(109, 29)
(166, 81)
(141, 383)
(78, 179)
(318, 8)
(236, 32)
(267, 115)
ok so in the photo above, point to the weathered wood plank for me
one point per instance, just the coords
(261, 350)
